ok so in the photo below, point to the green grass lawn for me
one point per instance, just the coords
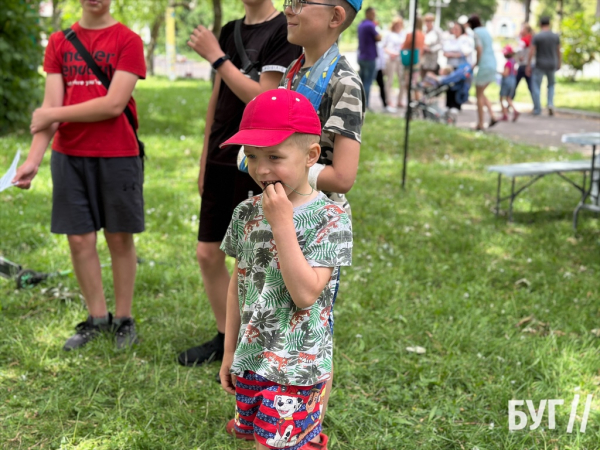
(504, 311)
(582, 94)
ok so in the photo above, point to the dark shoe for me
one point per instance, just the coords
(230, 428)
(492, 123)
(203, 354)
(86, 332)
(516, 115)
(126, 334)
(551, 110)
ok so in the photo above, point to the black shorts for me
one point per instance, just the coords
(93, 193)
(225, 187)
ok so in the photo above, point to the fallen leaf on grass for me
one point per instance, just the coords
(596, 332)
(418, 350)
(524, 320)
(523, 282)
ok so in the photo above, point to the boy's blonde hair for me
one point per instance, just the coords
(304, 141)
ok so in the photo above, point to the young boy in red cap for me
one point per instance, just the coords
(289, 243)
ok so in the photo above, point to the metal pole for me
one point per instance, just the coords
(410, 74)
(438, 15)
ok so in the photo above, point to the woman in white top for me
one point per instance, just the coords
(392, 43)
(458, 49)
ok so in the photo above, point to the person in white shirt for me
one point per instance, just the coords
(433, 45)
(458, 49)
(392, 43)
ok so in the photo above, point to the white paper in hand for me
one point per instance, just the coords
(6, 180)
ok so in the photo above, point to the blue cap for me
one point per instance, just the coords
(356, 4)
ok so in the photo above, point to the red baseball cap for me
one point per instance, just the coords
(273, 116)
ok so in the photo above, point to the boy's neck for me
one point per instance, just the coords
(312, 54)
(299, 200)
(95, 22)
(259, 13)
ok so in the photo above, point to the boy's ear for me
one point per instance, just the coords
(338, 18)
(314, 152)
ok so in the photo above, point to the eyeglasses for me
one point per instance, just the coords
(296, 5)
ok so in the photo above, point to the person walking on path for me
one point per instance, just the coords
(432, 47)
(486, 70)
(507, 86)
(522, 56)
(392, 44)
(220, 184)
(545, 48)
(97, 172)
(368, 36)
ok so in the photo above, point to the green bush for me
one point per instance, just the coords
(580, 41)
(20, 56)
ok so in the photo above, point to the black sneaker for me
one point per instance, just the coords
(86, 332)
(126, 334)
(203, 354)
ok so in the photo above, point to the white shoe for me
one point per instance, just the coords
(391, 109)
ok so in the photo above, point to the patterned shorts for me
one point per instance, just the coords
(278, 416)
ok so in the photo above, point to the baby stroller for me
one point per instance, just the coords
(428, 106)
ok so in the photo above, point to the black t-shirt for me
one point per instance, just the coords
(266, 44)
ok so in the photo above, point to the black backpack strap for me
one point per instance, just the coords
(71, 36)
(247, 65)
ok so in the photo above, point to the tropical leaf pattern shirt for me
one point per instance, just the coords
(279, 341)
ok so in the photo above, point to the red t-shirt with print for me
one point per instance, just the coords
(113, 48)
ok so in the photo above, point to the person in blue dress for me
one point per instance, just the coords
(486, 69)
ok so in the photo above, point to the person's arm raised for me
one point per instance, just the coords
(102, 108)
(204, 42)
(304, 283)
(53, 98)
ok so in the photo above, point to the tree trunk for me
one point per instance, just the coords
(527, 10)
(218, 20)
(560, 13)
(154, 30)
(56, 14)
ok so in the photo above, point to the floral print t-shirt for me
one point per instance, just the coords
(279, 341)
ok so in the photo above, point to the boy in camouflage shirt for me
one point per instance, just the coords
(289, 244)
(341, 104)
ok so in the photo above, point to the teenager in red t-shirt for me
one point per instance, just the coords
(96, 170)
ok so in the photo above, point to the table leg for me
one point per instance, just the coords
(512, 198)
(498, 194)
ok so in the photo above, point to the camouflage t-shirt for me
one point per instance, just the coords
(342, 108)
(279, 341)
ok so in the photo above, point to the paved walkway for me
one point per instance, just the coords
(541, 130)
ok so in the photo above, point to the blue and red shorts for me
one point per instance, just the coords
(278, 416)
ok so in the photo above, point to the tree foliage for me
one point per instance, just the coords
(580, 41)
(20, 55)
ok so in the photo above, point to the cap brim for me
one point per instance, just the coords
(258, 138)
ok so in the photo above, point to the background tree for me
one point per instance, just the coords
(20, 56)
(580, 42)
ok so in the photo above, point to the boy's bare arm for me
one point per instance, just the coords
(53, 97)
(305, 283)
(232, 329)
(204, 42)
(102, 108)
(341, 174)
(210, 118)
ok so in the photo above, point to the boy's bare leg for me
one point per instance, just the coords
(86, 266)
(124, 267)
(216, 279)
